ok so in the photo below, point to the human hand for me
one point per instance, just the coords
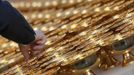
(34, 48)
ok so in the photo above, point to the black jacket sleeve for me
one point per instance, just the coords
(13, 25)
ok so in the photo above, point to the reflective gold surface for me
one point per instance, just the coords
(76, 30)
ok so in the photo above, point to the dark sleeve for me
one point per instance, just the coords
(13, 25)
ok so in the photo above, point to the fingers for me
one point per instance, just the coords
(40, 37)
(25, 52)
(39, 47)
(37, 53)
(41, 42)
